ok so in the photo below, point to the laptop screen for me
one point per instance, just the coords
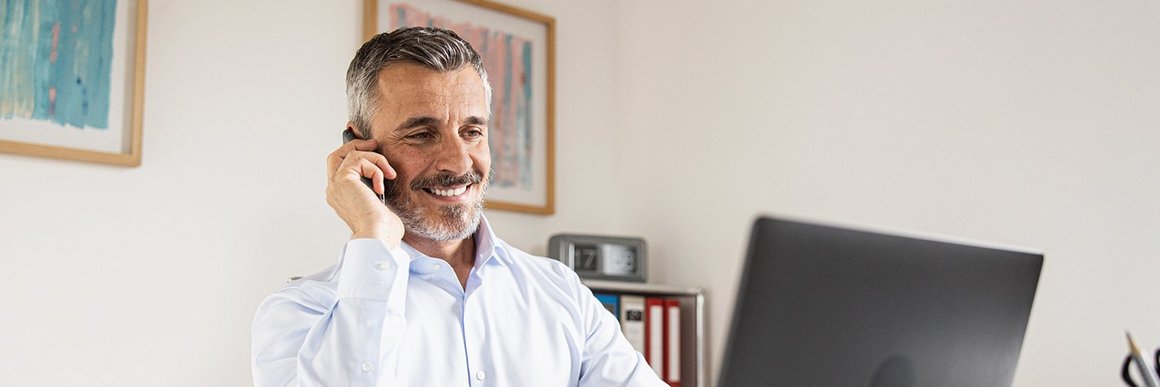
(830, 306)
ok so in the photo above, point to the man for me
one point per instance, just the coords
(425, 293)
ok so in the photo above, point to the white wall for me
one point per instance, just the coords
(1027, 123)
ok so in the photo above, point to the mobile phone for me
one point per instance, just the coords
(348, 136)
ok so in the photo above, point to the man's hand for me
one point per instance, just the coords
(357, 205)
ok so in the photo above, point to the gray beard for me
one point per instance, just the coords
(452, 222)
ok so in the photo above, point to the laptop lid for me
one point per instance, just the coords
(829, 306)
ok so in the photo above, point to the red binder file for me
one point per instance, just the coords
(654, 334)
(672, 342)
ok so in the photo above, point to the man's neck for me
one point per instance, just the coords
(459, 254)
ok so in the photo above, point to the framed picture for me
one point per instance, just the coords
(71, 79)
(518, 49)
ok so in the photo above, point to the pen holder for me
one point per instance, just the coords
(1128, 364)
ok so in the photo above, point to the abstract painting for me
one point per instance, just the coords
(70, 79)
(517, 47)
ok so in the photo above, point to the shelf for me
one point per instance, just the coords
(692, 315)
(645, 288)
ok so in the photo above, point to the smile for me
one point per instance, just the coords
(448, 192)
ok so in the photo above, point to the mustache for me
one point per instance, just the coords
(444, 179)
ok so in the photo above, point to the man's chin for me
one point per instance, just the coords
(442, 233)
(445, 223)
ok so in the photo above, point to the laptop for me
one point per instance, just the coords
(830, 306)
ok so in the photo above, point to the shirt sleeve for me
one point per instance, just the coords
(609, 359)
(312, 336)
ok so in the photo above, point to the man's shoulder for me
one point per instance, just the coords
(316, 290)
(326, 276)
(546, 268)
(524, 258)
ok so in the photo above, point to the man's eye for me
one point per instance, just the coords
(473, 133)
(421, 135)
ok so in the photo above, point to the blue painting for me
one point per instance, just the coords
(56, 61)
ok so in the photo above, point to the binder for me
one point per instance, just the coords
(654, 334)
(672, 336)
(611, 302)
(632, 320)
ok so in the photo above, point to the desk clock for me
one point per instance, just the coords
(601, 257)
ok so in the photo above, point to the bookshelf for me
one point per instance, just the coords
(692, 321)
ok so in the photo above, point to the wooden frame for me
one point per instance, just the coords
(534, 192)
(122, 139)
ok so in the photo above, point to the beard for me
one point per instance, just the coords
(450, 222)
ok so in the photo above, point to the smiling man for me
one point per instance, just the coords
(425, 293)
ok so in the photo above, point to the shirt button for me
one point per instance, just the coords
(381, 265)
(435, 267)
(366, 367)
(480, 375)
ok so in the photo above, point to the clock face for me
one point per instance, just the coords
(586, 257)
(604, 258)
(619, 260)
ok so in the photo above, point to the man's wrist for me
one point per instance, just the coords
(382, 235)
(369, 269)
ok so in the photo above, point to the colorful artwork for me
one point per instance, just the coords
(508, 61)
(518, 49)
(72, 75)
(56, 57)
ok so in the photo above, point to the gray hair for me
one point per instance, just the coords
(434, 48)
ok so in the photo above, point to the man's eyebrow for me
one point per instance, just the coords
(415, 122)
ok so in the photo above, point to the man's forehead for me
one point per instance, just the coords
(413, 78)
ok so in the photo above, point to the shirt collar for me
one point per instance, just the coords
(487, 247)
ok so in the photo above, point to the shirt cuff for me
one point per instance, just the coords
(369, 270)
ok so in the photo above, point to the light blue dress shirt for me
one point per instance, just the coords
(399, 318)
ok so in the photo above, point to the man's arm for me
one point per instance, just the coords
(304, 335)
(310, 335)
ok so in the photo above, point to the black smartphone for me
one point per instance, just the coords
(348, 136)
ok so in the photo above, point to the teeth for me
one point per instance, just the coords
(449, 192)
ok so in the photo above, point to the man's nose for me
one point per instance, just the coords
(453, 157)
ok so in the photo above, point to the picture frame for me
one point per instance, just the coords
(522, 130)
(73, 84)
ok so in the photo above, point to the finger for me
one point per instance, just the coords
(362, 145)
(371, 170)
(351, 146)
(364, 164)
(340, 157)
(380, 160)
(388, 171)
(333, 160)
(375, 158)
